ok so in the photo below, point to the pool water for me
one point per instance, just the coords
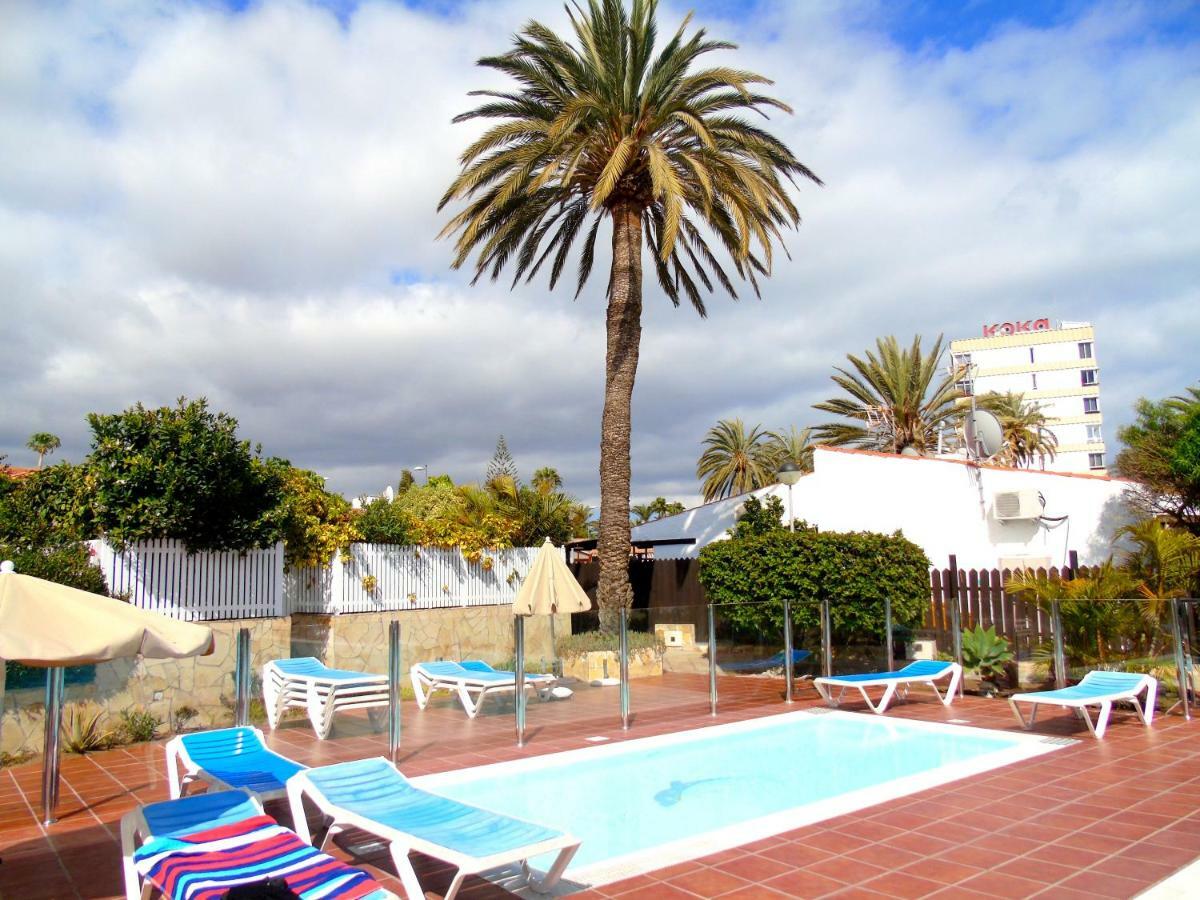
(643, 804)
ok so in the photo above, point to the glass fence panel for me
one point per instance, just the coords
(668, 662)
(750, 654)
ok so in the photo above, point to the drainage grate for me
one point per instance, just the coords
(1059, 741)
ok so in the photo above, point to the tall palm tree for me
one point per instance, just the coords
(641, 512)
(1025, 438)
(605, 125)
(735, 460)
(794, 446)
(43, 443)
(896, 398)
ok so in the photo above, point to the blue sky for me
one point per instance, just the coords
(240, 204)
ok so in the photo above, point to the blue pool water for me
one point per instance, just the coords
(626, 798)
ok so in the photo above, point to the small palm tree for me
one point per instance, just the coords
(735, 460)
(43, 443)
(613, 125)
(896, 399)
(794, 446)
(1166, 563)
(641, 512)
(546, 480)
(1025, 438)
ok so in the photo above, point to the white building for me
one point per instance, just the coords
(989, 516)
(1056, 368)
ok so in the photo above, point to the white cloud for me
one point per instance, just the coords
(196, 202)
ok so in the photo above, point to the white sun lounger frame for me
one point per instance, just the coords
(470, 689)
(320, 697)
(400, 843)
(1145, 711)
(890, 686)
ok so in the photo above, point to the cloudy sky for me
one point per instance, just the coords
(237, 201)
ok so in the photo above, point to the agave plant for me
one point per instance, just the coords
(984, 651)
(81, 731)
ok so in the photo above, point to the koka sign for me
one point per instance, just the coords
(1003, 328)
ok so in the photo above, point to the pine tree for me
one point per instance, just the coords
(501, 465)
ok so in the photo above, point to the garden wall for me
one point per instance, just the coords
(359, 640)
(160, 686)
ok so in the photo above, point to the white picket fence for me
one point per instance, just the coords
(162, 576)
(375, 577)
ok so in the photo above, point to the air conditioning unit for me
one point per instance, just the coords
(922, 650)
(1015, 506)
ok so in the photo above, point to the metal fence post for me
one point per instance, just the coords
(55, 685)
(956, 616)
(826, 638)
(712, 661)
(788, 663)
(887, 624)
(519, 697)
(1060, 655)
(393, 689)
(1181, 669)
(241, 679)
(624, 655)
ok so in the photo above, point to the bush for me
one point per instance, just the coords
(81, 731)
(139, 726)
(856, 571)
(574, 645)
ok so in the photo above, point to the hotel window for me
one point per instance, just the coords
(1095, 460)
(1091, 404)
(1088, 377)
(1085, 349)
(1093, 434)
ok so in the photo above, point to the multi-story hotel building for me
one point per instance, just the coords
(1055, 367)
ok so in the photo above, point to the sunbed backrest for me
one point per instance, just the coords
(174, 817)
(300, 665)
(206, 746)
(924, 667)
(1113, 682)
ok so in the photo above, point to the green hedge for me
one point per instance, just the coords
(856, 571)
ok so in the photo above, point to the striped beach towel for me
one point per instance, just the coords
(205, 865)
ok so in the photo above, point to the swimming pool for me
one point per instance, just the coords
(645, 804)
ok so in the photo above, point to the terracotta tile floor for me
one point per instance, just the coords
(1096, 819)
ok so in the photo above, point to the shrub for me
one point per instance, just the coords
(856, 571)
(81, 731)
(139, 726)
(984, 651)
(574, 645)
(184, 715)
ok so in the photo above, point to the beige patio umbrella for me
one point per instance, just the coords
(549, 588)
(51, 625)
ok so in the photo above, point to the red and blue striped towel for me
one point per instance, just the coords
(204, 865)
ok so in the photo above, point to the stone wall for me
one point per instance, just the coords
(359, 640)
(160, 686)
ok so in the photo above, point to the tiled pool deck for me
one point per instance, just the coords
(1095, 819)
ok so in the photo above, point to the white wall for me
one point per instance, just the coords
(944, 506)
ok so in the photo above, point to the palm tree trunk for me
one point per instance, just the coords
(624, 331)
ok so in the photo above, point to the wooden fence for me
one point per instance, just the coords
(378, 577)
(163, 577)
(984, 600)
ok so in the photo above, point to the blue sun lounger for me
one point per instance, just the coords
(770, 662)
(472, 680)
(923, 671)
(1097, 688)
(371, 795)
(229, 758)
(307, 683)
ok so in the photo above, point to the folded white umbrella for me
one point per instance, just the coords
(51, 625)
(550, 587)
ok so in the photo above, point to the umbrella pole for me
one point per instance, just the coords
(55, 680)
(519, 650)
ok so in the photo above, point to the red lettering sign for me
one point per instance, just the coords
(1002, 329)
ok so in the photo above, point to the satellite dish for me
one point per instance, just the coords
(985, 438)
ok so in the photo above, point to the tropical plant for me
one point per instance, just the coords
(985, 652)
(794, 446)
(1025, 438)
(896, 398)
(546, 480)
(139, 725)
(735, 460)
(43, 443)
(657, 508)
(81, 730)
(1162, 458)
(314, 523)
(608, 126)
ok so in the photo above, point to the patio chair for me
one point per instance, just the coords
(1097, 688)
(306, 683)
(770, 662)
(471, 680)
(372, 795)
(923, 671)
(228, 758)
(198, 847)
